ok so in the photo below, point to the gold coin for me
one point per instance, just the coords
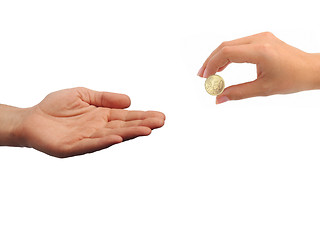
(214, 85)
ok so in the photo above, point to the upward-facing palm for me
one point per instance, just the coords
(77, 121)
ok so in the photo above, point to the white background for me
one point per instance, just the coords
(241, 170)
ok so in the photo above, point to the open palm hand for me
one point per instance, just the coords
(78, 120)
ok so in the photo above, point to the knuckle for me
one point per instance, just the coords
(267, 35)
(266, 50)
(265, 47)
(83, 89)
(226, 50)
(224, 44)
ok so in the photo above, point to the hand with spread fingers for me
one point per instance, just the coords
(281, 68)
(75, 121)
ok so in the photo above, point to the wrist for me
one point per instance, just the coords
(11, 120)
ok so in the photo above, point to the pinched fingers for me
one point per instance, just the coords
(247, 53)
(240, 41)
(257, 39)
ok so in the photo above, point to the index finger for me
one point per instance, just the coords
(240, 41)
(247, 53)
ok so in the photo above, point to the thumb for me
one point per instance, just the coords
(104, 99)
(244, 90)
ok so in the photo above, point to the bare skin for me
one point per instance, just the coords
(281, 68)
(75, 121)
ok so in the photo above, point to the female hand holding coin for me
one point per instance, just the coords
(281, 68)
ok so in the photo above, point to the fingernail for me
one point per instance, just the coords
(222, 99)
(205, 74)
(200, 71)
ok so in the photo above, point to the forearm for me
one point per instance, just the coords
(10, 121)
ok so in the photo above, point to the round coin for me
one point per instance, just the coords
(214, 85)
